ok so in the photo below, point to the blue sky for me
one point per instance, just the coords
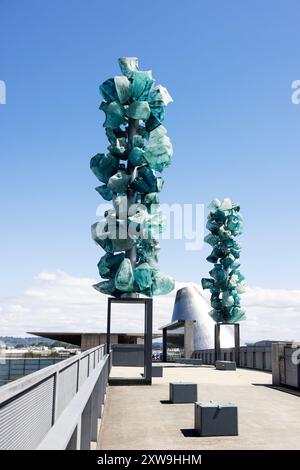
(229, 68)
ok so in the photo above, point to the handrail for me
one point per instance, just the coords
(9, 390)
(61, 432)
(33, 407)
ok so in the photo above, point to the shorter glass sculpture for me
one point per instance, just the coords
(226, 282)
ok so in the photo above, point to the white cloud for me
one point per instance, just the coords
(58, 301)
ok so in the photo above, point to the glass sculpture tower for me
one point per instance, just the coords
(226, 282)
(138, 150)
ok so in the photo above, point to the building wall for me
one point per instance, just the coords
(89, 340)
(286, 366)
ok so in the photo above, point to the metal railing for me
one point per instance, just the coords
(15, 368)
(57, 407)
(252, 357)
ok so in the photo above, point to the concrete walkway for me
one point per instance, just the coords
(139, 417)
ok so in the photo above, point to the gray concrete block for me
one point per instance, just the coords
(183, 392)
(128, 355)
(225, 365)
(216, 418)
(157, 371)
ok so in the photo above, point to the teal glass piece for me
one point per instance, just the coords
(111, 136)
(122, 244)
(119, 149)
(147, 181)
(136, 156)
(218, 273)
(124, 280)
(123, 89)
(226, 204)
(120, 205)
(138, 141)
(235, 224)
(138, 110)
(147, 252)
(240, 276)
(152, 123)
(227, 261)
(140, 214)
(157, 135)
(104, 167)
(237, 314)
(158, 112)
(215, 301)
(212, 258)
(118, 182)
(214, 205)
(101, 237)
(150, 198)
(109, 264)
(159, 152)
(207, 283)
(114, 134)
(241, 289)
(211, 239)
(108, 90)
(105, 287)
(143, 277)
(159, 96)
(227, 299)
(217, 315)
(161, 283)
(105, 192)
(156, 224)
(213, 226)
(115, 114)
(141, 85)
(128, 65)
(159, 184)
(227, 283)
(235, 265)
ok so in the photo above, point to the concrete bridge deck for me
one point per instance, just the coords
(139, 417)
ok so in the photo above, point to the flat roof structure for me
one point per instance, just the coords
(141, 417)
(83, 338)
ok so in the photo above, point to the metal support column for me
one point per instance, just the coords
(236, 341)
(164, 353)
(146, 379)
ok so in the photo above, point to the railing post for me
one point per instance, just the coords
(88, 367)
(73, 442)
(55, 397)
(86, 426)
(164, 354)
(96, 408)
(78, 374)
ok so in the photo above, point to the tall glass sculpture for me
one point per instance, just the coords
(226, 282)
(138, 148)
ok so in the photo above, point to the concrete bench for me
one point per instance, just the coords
(157, 370)
(225, 365)
(183, 392)
(216, 418)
